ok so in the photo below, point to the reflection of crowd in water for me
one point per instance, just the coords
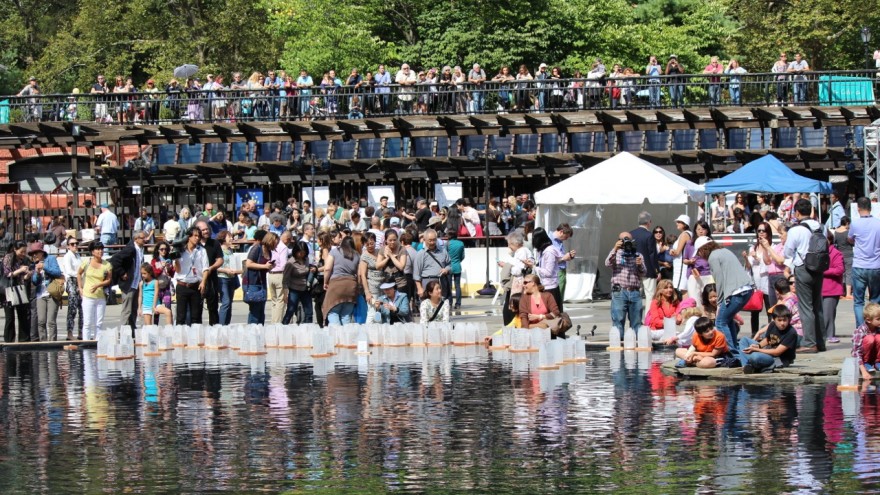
(474, 420)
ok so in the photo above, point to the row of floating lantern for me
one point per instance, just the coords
(251, 339)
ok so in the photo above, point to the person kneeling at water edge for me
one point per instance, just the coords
(392, 305)
(776, 349)
(709, 348)
(866, 341)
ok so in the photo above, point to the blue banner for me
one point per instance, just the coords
(245, 195)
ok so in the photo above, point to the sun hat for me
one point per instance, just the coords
(387, 285)
(684, 219)
(36, 247)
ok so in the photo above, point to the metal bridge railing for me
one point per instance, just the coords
(445, 98)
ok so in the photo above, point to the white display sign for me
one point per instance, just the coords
(374, 193)
(322, 196)
(854, 210)
(447, 194)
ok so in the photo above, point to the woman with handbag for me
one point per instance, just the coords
(295, 281)
(536, 307)
(547, 266)
(228, 276)
(48, 283)
(70, 265)
(758, 260)
(93, 278)
(16, 272)
(832, 289)
(259, 262)
(434, 308)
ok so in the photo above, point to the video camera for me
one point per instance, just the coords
(629, 247)
(177, 248)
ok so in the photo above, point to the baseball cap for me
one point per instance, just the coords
(700, 242)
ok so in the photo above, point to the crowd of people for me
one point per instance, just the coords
(292, 263)
(381, 264)
(795, 269)
(277, 95)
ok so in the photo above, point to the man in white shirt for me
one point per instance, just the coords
(107, 225)
(809, 284)
(307, 215)
(407, 80)
(477, 77)
(171, 229)
(191, 275)
(799, 84)
(265, 220)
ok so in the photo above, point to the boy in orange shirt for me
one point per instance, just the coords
(708, 346)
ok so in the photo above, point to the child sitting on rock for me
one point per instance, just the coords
(709, 347)
(776, 349)
(866, 341)
(684, 338)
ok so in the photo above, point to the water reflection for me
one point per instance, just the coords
(419, 419)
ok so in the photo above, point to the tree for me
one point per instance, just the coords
(825, 31)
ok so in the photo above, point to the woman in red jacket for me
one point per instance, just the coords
(832, 289)
(664, 305)
(535, 305)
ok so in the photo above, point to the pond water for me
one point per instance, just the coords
(419, 420)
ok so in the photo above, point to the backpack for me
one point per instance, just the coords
(817, 259)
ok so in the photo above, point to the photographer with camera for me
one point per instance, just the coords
(627, 270)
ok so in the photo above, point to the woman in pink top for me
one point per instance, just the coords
(832, 289)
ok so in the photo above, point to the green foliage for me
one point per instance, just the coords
(826, 32)
(66, 44)
(322, 36)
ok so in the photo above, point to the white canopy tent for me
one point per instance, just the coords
(603, 201)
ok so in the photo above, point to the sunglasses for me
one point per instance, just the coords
(760, 231)
(658, 231)
(163, 250)
(73, 244)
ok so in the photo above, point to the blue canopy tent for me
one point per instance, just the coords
(766, 175)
